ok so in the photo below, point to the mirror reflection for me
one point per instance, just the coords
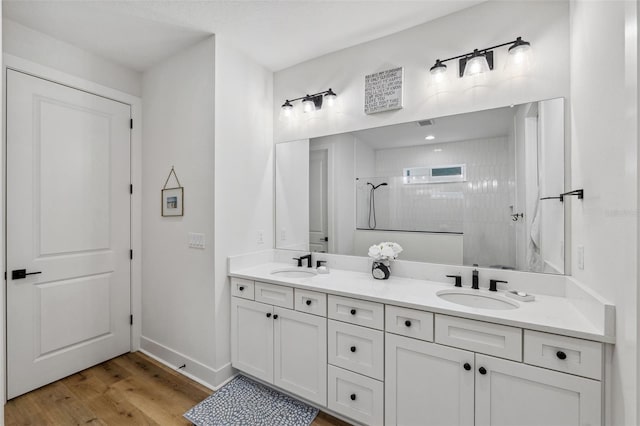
(461, 189)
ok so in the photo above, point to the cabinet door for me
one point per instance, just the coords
(427, 384)
(510, 393)
(252, 338)
(300, 354)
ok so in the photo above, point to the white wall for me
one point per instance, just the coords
(178, 286)
(243, 173)
(551, 176)
(604, 156)
(35, 46)
(544, 24)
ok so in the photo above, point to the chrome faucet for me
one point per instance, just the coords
(301, 258)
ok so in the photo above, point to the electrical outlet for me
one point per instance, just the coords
(260, 238)
(196, 240)
(580, 257)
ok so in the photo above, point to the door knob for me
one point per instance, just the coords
(18, 274)
(482, 370)
(308, 302)
(561, 355)
(407, 323)
(353, 311)
(467, 366)
(353, 397)
(352, 348)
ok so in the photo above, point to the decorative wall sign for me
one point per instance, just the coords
(172, 198)
(383, 90)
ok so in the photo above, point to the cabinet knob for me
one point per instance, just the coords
(482, 370)
(353, 311)
(275, 316)
(241, 288)
(407, 323)
(268, 314)
(308, 302)
(561, 355)
(353, 397)
(353, 348)
(467, 366)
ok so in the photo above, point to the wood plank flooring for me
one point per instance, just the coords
(131, 389)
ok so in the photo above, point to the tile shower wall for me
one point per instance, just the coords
(480, 207)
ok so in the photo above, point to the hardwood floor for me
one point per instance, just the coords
(131, 389)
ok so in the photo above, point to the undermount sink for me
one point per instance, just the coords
(475, 299)
(294, 272)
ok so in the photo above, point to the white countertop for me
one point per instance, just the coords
(547, 313)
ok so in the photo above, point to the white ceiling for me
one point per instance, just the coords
(475, 125)
(276, 33)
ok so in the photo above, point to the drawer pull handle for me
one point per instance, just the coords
(353, 397)
(308, 302)
(275, 316)
(407, 323)
(353, 348)
(268, 314)
(561, 355)
(467, 366)
(241, 288)
(353, 311)
(482, 370)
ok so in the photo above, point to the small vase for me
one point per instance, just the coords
(381, 270)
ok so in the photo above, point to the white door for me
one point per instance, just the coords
(68, 230)
(427, 384)
(300, 354)
(318, 223)
(252, 338)
(514, 394)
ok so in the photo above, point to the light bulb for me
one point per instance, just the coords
(308, 105)
(438, 71)
(287, 109)
(330, 98)
(476, 64)
(519, 58)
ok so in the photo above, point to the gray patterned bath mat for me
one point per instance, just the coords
(245, 402)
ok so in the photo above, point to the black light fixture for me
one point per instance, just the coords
(480, 60)
(311, 102)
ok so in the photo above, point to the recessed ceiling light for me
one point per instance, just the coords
(430, 137)
(437, 150)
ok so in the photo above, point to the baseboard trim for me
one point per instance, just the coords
(211, 378)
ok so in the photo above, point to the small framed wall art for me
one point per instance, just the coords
(172, 198)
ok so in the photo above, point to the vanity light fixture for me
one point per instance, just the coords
(311, 102)
(481, 60)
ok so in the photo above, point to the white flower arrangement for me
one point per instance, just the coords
(385, 252)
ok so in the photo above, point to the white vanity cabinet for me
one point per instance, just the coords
(280, 346)
(512, 393)
(380, 364)
(427, 384)
(439, 384)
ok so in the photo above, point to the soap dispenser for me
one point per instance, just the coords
(475, 279)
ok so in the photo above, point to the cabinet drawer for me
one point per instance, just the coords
(355, 396)
(409, 322)
(356, 348)
(310, 302)
(567, 354)
(242, 288)
(276, 295)
(359, 312)
(478, 336)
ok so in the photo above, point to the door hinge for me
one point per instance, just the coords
(130, 319)
(131, 254)
(131, 123)
(130, 188)
(5, 275)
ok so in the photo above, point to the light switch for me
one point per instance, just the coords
(580, 257)
(196, 240)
